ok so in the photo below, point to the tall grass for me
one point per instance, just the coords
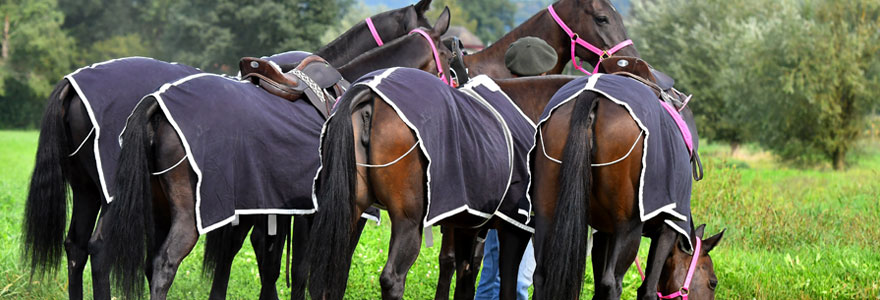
(791, 233)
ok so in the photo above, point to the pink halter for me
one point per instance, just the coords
(436, 55)
(373, 31)
(576, 40)
(683, 291)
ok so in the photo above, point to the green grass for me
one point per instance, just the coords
(791, 233)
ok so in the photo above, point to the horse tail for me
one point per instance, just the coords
(330, 238)
(568, 238)
(131, 213)
(45, 213)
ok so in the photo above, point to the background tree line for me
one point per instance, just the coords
(798, 77)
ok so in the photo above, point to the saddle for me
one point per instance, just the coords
(312, 77)
(660, 83)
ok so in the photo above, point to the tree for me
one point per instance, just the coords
(213, 35)
(494, 18)
(39, 54)
(458, 15)
(796, 76)
(816, 79)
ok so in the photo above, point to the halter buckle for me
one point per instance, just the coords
(605, 55)
(575, 37)
(683, 291)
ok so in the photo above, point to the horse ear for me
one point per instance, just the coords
(422, 7)
(700, 230)
(710, 243)
(442, 22)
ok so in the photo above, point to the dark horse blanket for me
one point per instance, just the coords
(110, 90)
(252, 152)
(473, 139)
(665, 185)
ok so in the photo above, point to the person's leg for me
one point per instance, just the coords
(490, 282)
(526, 270)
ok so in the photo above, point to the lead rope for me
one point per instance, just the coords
(392, 162)
(544, 149)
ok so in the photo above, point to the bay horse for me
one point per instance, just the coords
(66, 126)
(151, 143)
(595, 22)
(365, 129)
(570, 196)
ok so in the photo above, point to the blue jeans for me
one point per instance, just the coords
(490, 280)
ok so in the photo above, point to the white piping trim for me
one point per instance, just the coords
(544, 149)
(625, 156)
(172, 167)
(392, 162)
(83, 142)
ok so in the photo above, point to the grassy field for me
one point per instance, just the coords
(791, 233)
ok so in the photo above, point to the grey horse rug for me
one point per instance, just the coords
(110, 90)
(475, 140)
(665, 185)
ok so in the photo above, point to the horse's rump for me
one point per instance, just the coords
(471, 138)
(665, 180)
(252, 152)
(110, 90)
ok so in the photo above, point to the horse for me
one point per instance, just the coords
(367, 130)
(67, 127)
(570, 194)
(151, 143)
(595, 22)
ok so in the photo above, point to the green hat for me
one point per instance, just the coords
(530, 56)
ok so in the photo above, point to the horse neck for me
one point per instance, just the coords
(408, 51)
(490, 61)
(531, 94)
(347, 46)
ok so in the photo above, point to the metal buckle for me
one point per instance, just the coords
(605, 55)
(683, 291)
(575, 37)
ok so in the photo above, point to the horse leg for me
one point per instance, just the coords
(299, 263)
(223, 266)
(465, 273)
(182, 236)
(269, 250)
(87, 202)
(513, 242)
(608, 261)
(447, 264)
(661, 245)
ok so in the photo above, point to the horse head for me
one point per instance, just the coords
(597, 23)
(679, 265)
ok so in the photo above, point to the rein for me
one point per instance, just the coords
(683, 291)
(576, 40)
(373, 31)
(436, 55)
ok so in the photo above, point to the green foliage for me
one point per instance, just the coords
(798, 77)
(494, 18)
(40, 54)
(213, 35)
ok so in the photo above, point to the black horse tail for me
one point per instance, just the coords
(131, 212)
(330, 238)
(45, 213)
(565, 252)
